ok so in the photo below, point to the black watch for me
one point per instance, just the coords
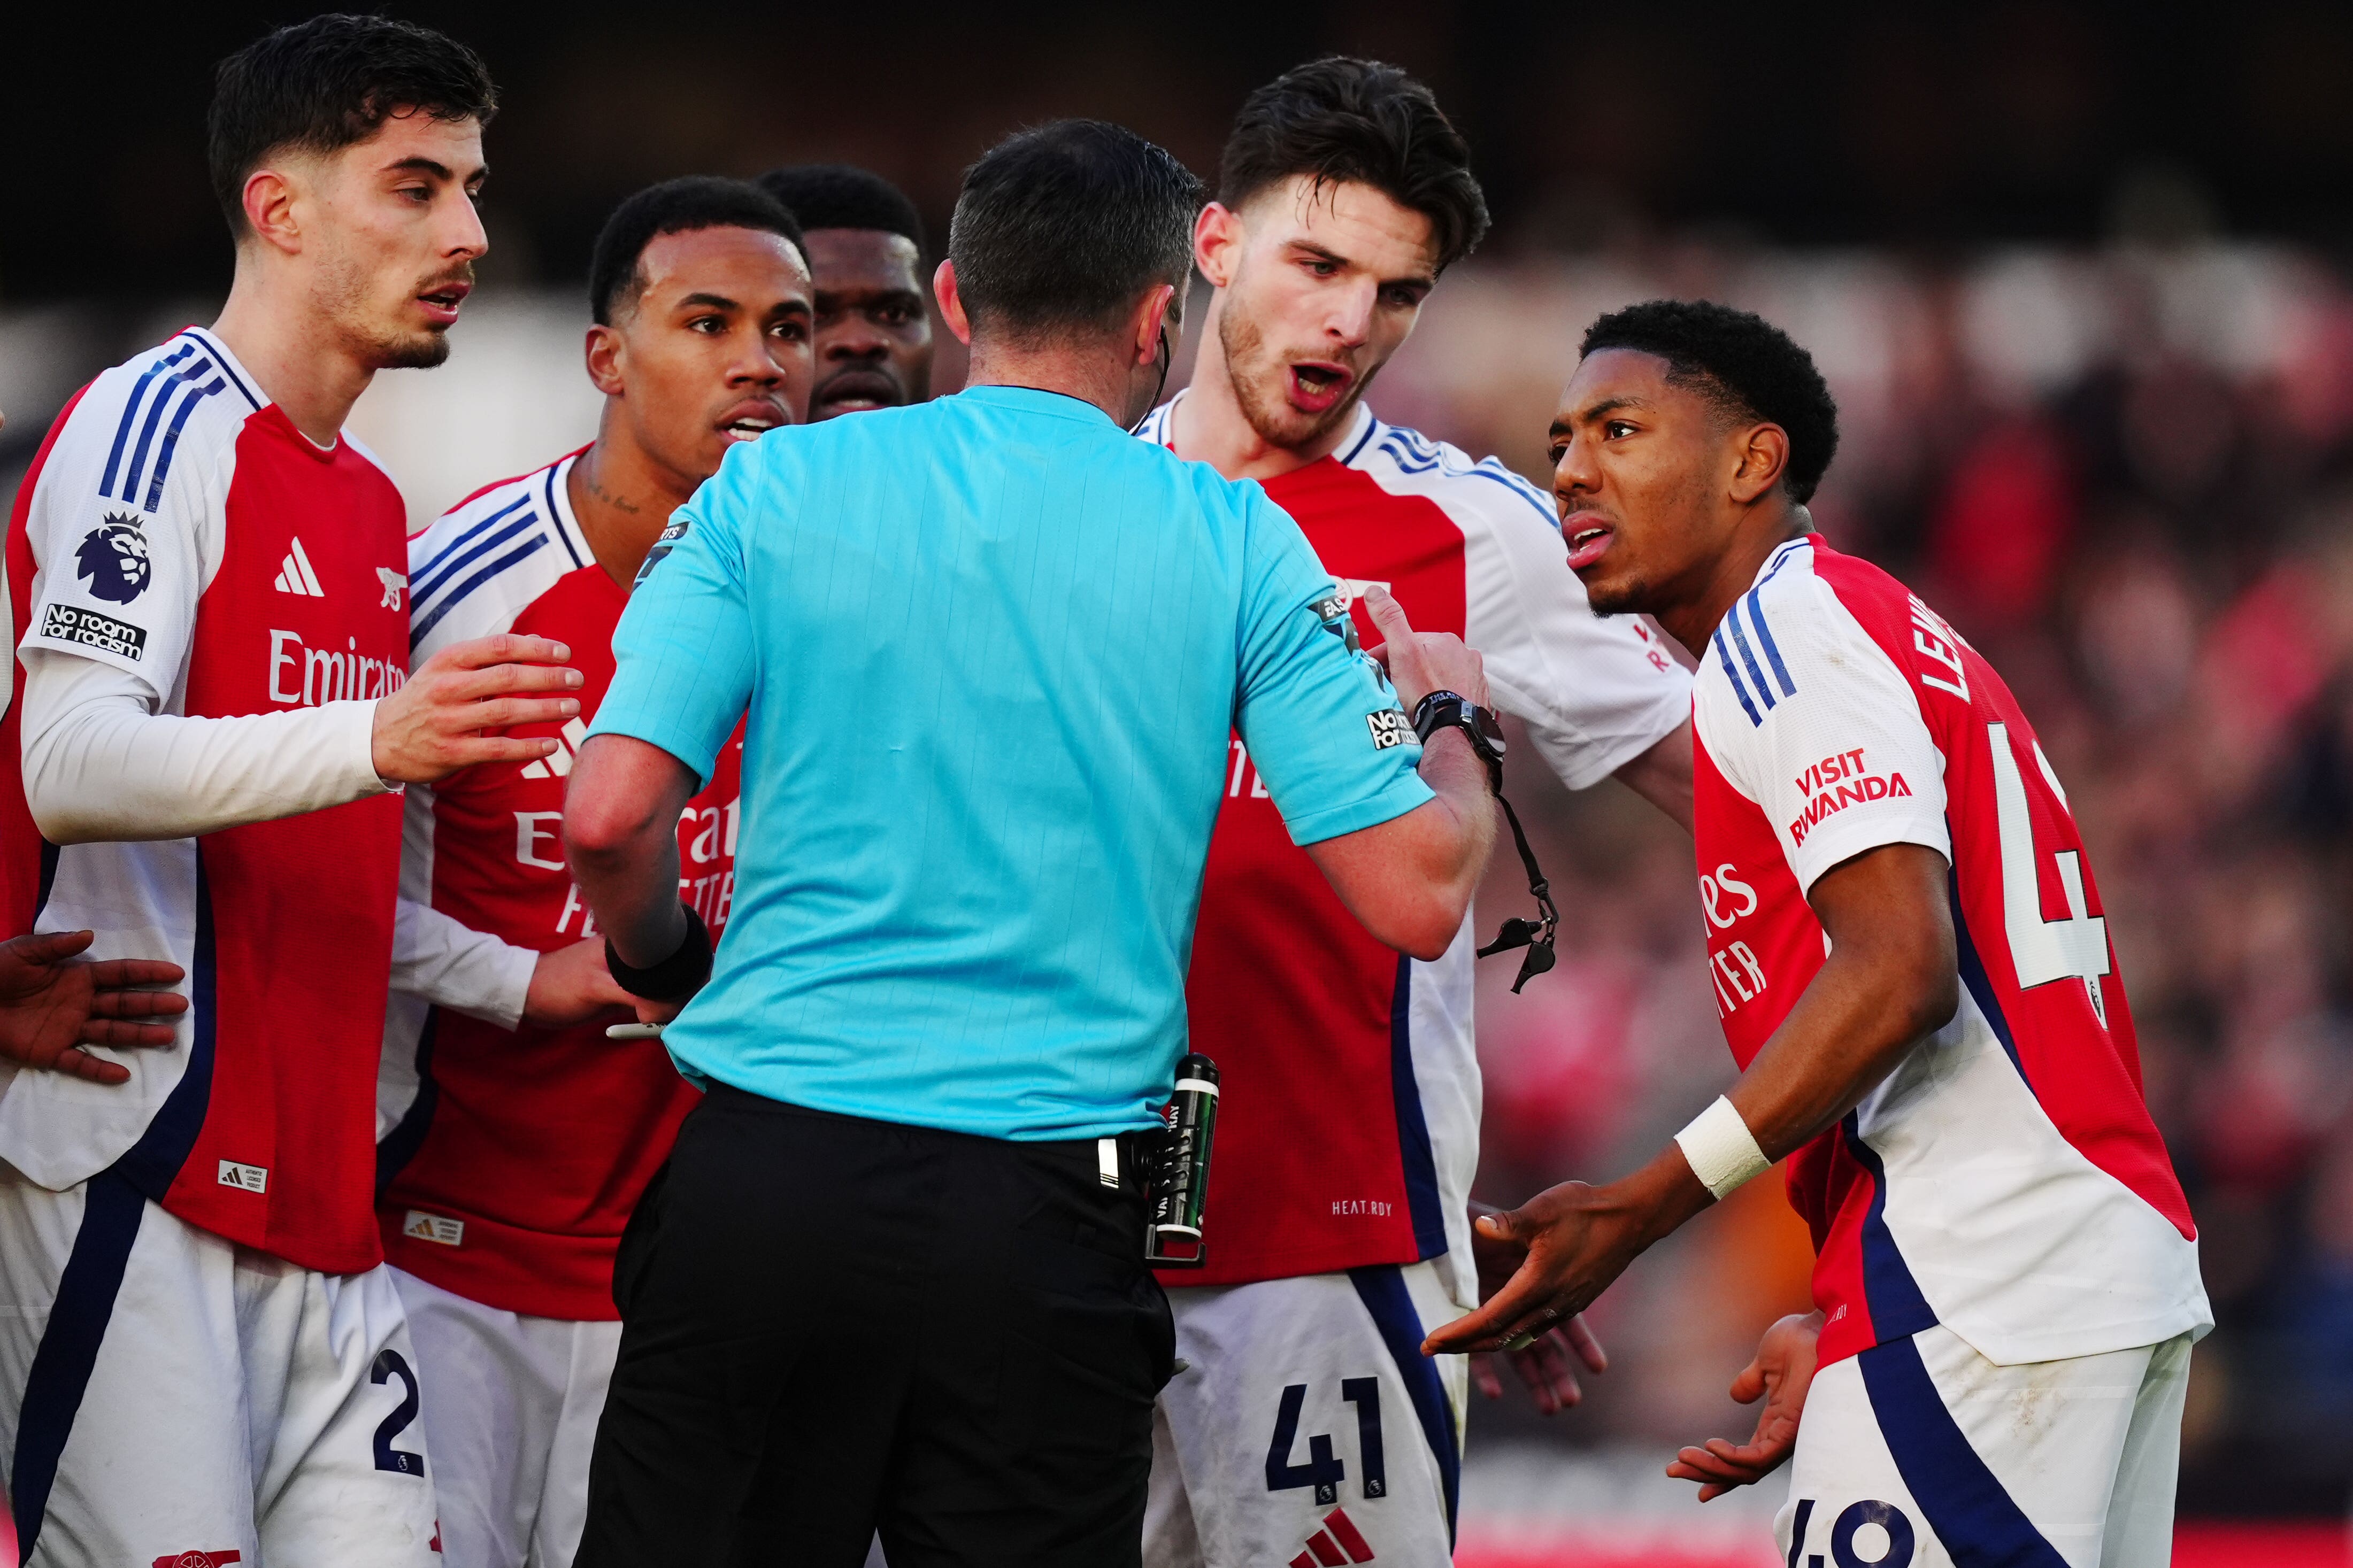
(679, 975)
(1441, 709)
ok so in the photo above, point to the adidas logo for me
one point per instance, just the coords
(1338, 1543)
(575, 731)
(295, 576)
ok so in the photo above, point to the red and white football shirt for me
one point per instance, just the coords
(2006, 1180)
(511, 1157)
(178, 529)
(1348, 1125)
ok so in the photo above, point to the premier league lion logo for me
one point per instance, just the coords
(113, 560)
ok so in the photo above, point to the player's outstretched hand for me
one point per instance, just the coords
(1575, 1239)
(455, 709)
(572, 985)
(1548, 1366)
(51, 1006)
(1422, 662)
(1782, 1372)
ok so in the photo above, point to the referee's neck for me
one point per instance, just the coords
(1090, 371)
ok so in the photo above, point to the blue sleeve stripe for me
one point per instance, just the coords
(1490, 469)
(1724, 660)
(454, 559)
(424, 568)
(458, 595)
(1747, 658)
(155, 418)
(172, 438)
(131, 413)
(1772, 652)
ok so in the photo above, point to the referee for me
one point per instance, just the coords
(992, 650)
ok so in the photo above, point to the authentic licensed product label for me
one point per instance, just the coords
(72, 623)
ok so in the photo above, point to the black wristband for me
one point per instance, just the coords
(680, 975)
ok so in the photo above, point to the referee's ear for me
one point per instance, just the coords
(944, 289)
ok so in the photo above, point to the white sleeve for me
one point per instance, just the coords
(101, 765)
(1594, 693)
(452, 965)
(1809, 718)
(116, 584)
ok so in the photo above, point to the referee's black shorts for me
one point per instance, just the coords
(832, 1326)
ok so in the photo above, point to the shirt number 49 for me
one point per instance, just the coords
(2075, 948)
(1324, 1470)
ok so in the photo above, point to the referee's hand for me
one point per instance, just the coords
(455, 710)
(1422, 662)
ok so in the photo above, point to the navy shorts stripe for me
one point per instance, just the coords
(69, 1348)
(1979, 1523)
(1414, 1150)
(1381, 1287)
(1896, 1305)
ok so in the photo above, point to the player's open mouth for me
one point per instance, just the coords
(750, 421)
(441, 303)
(1316, 387)
(1588, 539)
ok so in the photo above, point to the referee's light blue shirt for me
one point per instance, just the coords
(992, 649)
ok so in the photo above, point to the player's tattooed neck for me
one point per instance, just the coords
(618, 504)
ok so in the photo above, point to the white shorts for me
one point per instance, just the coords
(511, 1409)
(1307, 1427)
(1922, 1454)
(169, 1396)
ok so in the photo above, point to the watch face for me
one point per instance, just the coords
(1488, 730)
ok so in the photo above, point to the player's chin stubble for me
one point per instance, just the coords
(1258, 377)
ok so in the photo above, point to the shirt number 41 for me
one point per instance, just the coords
(1324, 1470)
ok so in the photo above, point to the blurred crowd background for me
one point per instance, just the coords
(2079, 277)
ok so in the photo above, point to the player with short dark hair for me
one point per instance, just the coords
(1348, 1137)
(874, 320)
(1908, 952)
(202, 1352)
(952, 991)
(519, 1137)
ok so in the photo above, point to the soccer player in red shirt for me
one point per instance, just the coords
(518, 1136)
(1914, 971)
(1305, 1422)
(865, 243)
(201, 1351)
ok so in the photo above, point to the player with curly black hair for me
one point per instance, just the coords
(1913, 970)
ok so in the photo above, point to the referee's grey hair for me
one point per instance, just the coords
(1063, 227)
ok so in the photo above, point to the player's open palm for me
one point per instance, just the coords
(51, 1006)
(1782, 1372)
(1572, 1240)
(455, 710)
(1547, 1364)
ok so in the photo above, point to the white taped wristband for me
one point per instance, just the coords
(1722, 1150)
